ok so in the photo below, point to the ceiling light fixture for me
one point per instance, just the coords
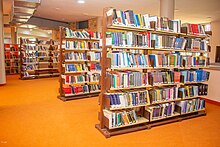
(81, 1)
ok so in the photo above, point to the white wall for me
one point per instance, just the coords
(214, 85)
(215, 39)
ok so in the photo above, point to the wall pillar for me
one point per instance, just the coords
(13, 35)
(167, 8)
(2, 56)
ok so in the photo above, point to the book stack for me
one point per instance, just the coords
(188, 106)
(128, 99)
(121, 118)
(163, 94)
(39, 58)
(81, 55)
(154, 56)
(11, 59)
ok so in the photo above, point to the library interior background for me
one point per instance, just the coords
(110, 73)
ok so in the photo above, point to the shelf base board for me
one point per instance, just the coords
(178, 118)
(108, 133)
(165, 121)
(193, 115)
(89, 95)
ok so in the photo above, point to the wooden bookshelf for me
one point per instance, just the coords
(38, 58)
(110, 96)
(77, 55)
(12, 60)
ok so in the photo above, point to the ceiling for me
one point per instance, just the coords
(193, 11)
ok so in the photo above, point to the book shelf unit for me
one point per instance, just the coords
(79, 65)
(12, 59)
(38, 58)
(125, 108)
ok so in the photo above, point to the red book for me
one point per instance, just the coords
(67, 90)
(67, 79)
(92, 66)
(160, 60)
(176, 77)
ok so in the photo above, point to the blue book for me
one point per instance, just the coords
(137, 22)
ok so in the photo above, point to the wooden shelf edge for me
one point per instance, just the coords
(89, 95)
(108, 133)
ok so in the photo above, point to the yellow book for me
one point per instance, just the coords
(140, 19)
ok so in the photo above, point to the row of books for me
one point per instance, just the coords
(147, 39)
(76, 67)
(152, 96)
(170, 109)
(80, 45)
(29, 67)
(163, 94)
(94, 66)
(12, 64)
(194, 75)
(126, 99)
(128, 79)
(68, 79)
(192, 90)
(130, 39)
(196, 29)
(161, 110)
(191, 105)
(81, 34)
(94, 56)
(122, 79)
(11, 55)
(125, 59)
(129, 18)
(81, 89)
(75, 56)
(121, 118)
(29, 48)
(76, 45)
(94, 35)
(11, 47)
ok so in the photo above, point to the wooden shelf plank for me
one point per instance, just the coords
(128, 107)
(141, 120)
(161, 118)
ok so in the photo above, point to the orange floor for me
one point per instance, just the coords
(31, 115)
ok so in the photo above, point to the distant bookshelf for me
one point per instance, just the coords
(79, 64)
(12, 59)
(38, 58)
(153, 71)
